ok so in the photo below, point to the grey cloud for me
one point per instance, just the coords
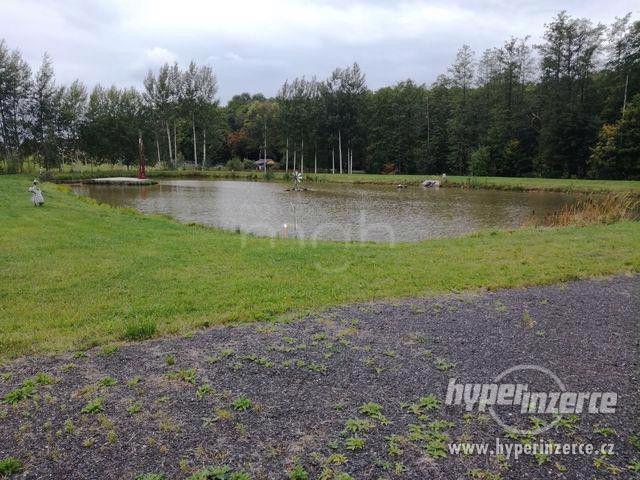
(254, 48)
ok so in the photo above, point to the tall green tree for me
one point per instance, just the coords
(567, 101)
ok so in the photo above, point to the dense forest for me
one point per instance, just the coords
(567, 107)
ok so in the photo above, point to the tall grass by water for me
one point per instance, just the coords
(609, 208)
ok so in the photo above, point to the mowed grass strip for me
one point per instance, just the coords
(74, 274)
(499, 183)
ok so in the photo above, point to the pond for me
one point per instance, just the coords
(332, 211)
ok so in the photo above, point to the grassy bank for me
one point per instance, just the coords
(500, 183)
(75, 274)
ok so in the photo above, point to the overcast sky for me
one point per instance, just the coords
(254, 45)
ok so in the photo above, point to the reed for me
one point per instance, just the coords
(592, 209)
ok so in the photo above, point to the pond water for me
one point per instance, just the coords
(332, 211)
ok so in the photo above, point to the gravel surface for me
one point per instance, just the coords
(268, 398)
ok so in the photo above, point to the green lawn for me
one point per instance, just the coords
(507, 183)
(74, 274)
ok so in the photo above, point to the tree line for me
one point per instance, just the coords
(567, 107)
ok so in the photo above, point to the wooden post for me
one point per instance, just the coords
(142, 171)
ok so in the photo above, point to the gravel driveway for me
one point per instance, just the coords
(355, 392)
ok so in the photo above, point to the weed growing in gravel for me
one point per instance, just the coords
(419, 338)
(393, 446)
(423, 404)
(242, 403)
(635, 441)
(107, 382)
(203, 390)
(298, 473)
(79, 354)
(240, 428)
(150, 476)
(5, 377)
(28, 388)
(317, 367)
(88, 442)
(501, 307)
(528, 321)
(134, 380)
(23, 392)
(134, 408)
(94, 406)
(10, 466)
(68, 426)
(112, 437)
(604, 431)
(184, 375)
(356, 425)
(170, 360)
(219, 473)
(43, 379)
(483, 474)
(222, 414)
(354, 443)
(374, 410)
(319, 337)
(140, 330)
(634, 466)
(443, 365)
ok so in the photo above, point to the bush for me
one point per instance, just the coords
(248, 164)
(140, 330)
(235, 164)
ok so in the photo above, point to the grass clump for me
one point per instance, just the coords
(374, 410)
(23, 392)
(242, 403)
(219, 473)
(28, 388)
(93, 406)
(187, 375)
(9, 466)
(354, 443)
(108, 350)
(298, 473)
(140, 330)
(203, 390)
(107, 382)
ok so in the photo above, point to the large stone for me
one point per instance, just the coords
(431, 184)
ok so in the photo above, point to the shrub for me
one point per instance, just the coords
(235, 164)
